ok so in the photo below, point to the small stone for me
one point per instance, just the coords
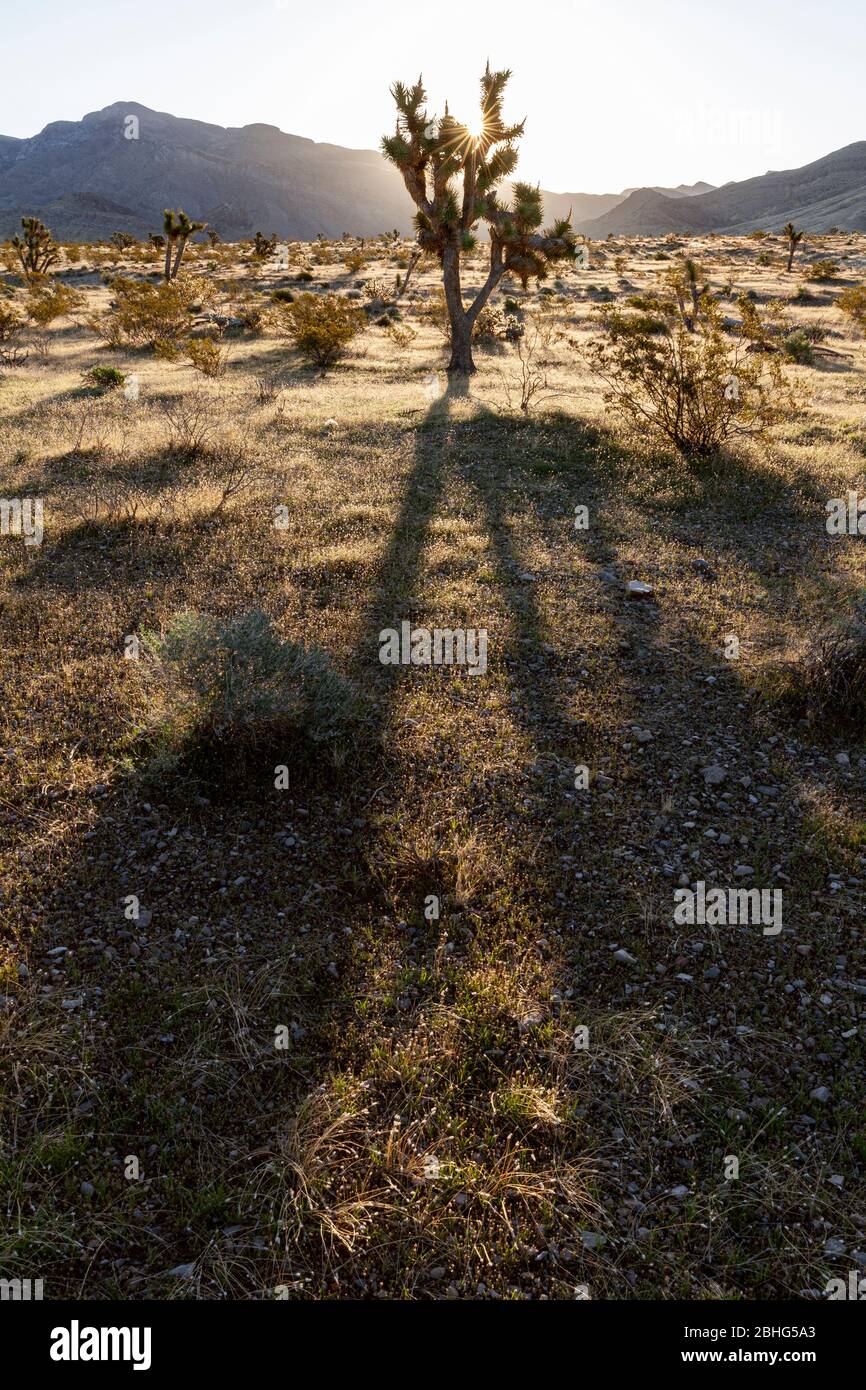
(743, 870)
(714, 774)
(636, 588)
(591, 1240)
(820, 1093)
(625, 956)
(87, 1189)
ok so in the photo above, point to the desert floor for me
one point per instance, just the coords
(431, 1130)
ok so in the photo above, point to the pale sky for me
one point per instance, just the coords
(616, 93)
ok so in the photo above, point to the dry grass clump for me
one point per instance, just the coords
(826, 685)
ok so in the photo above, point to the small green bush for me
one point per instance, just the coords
(283, 296)
(798, 348)
(105, 378)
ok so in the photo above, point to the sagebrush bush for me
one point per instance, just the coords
(231, 685)
(321, 326)
(690, 387)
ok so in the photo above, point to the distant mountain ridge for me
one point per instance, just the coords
(830, 191)
(87, 179)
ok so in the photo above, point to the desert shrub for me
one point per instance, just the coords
(853, 303)
(44, 305)
(11, 326)
(206, 356)
(355, 261)
(814, 332)
(826, 685)
(304, 277)
(691, 388)
(110, 500)
(227, 686)
(400, 333)
(822, 271)
(105, 378)
(322, 326)
(191, 423)
(147, 315)
(529, 386)
(798, 348)
(283, 296)
(228, 466)
(250, 313)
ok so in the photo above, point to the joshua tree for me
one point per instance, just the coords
(178, 228)
(793, 238)
(213, 237)
(430, 154)
(36, 250)
(157, 241)
(121, 240)
(264, 246)
(684, 282)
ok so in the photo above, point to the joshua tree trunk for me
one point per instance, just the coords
(791, 249)
(181, 247)
(463, 322)
(168, 258)
(461, 327)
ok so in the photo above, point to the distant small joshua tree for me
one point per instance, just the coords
(213, 237)
(793, 238)
(430, 155)
(264, 246)
(684, 280)
(35, 250)
(178, 229)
